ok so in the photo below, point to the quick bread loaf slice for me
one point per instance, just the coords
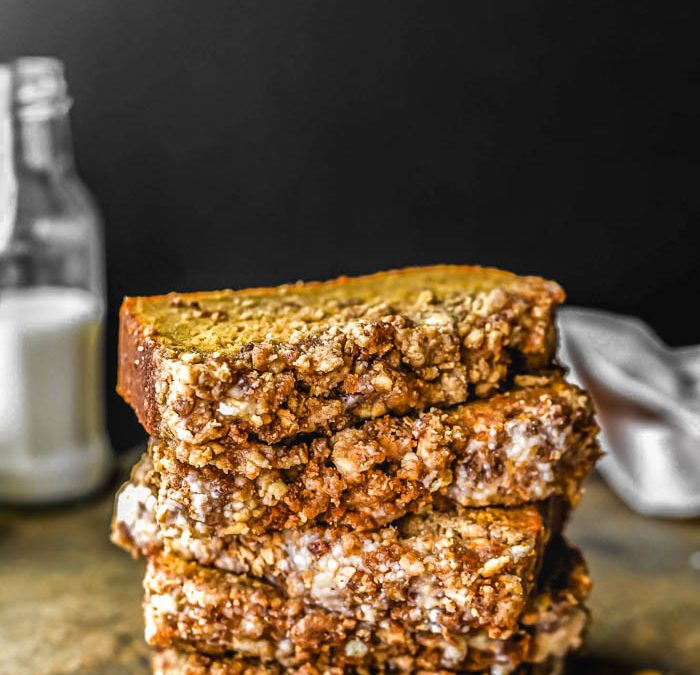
(174, 661)
(188, 606)
(529, 443)
(454, 569)
(273, 363)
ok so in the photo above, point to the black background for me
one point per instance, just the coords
(236, 143)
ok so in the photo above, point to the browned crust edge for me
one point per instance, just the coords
(135, 382)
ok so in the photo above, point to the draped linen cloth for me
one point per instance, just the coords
(647, 395)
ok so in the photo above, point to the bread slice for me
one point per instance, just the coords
(273, 363)
(174, 661)
(472, 568)
(188, 606)
(532, 442)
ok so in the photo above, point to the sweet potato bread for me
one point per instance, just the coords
(177, 662)
(192, 607)
(273, 363)
(527, 444)
(459, 569)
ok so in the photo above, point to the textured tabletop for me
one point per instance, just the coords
(70, 602)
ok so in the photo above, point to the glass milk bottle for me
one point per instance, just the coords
(53, 444)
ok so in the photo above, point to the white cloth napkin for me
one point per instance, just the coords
(648, 400)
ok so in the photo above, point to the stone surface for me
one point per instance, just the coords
(646, 596)
(70, 602)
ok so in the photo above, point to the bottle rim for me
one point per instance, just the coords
(40, 91)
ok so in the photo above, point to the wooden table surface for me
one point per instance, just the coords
(70, 601)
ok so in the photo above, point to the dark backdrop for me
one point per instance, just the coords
(235, 143)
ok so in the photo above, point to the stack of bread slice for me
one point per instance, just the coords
(356, 476)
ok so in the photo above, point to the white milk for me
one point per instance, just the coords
(52, 442)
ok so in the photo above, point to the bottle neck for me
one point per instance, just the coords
(43, 145)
